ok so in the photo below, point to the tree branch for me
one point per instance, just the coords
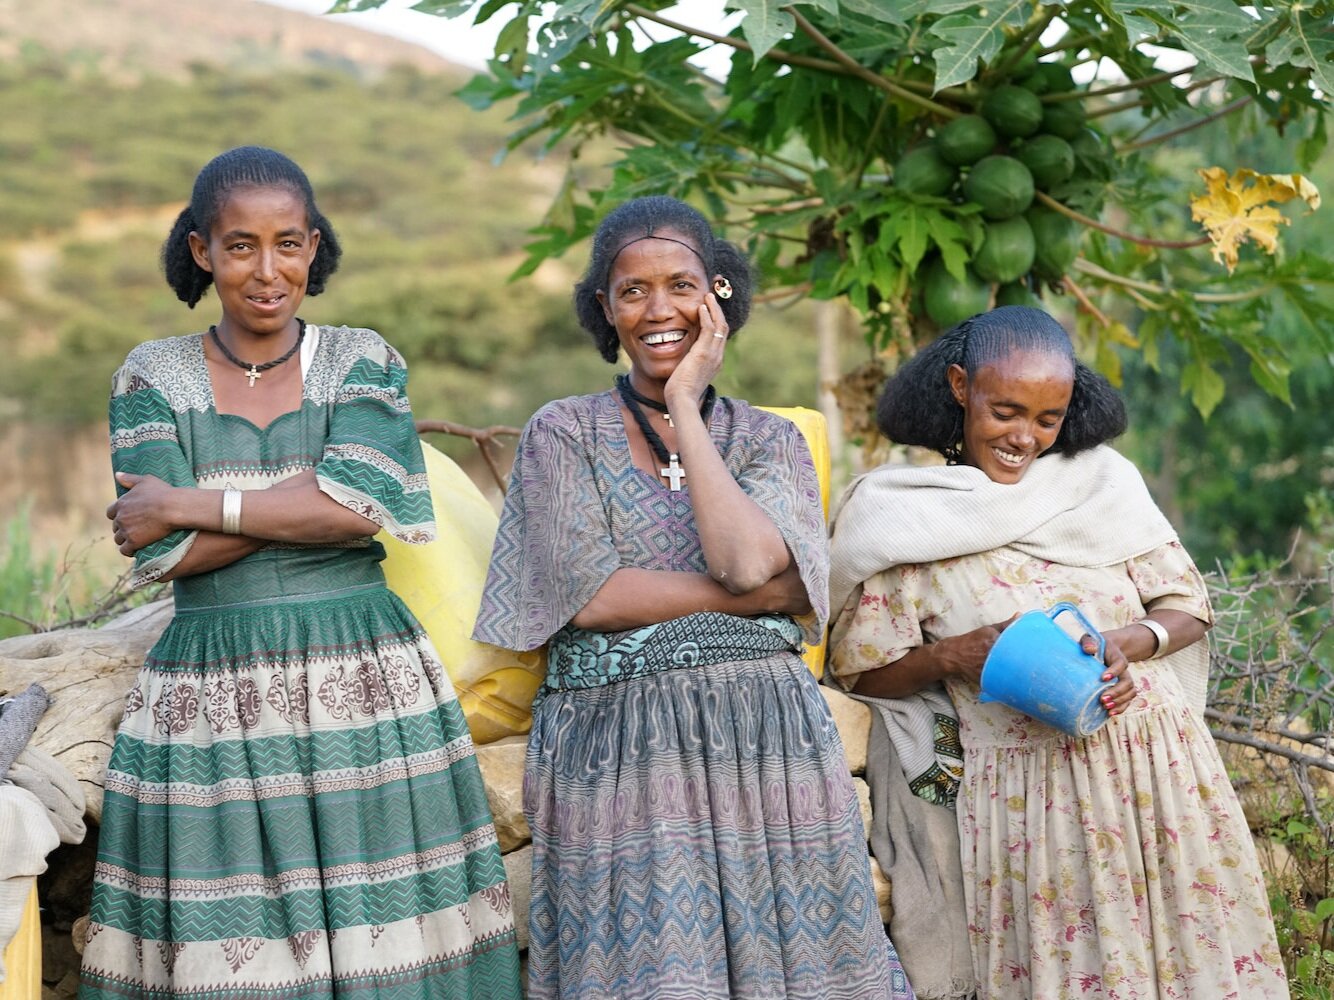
(1084, 302)
(1222, 112)
(1086, 266)
(777, 55)
(1026, 41)
(1143, 241)
(1148, 81)
(858, 70)
(483, 437)
(1268, 746)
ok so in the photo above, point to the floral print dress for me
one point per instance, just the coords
(1117, 866)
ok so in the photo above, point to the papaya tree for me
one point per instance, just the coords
(925, 159)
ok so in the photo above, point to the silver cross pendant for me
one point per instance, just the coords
(674, 472)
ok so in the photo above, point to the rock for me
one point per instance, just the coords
(59, 959)
(519, 871)
(79, 933)
(864, 801)
(882, 892)
(66, 886)
(502, 770)
(67, 988)
(853, 720)
(87, 673)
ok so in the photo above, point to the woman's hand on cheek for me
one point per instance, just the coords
(705, 357)
(1118, 697)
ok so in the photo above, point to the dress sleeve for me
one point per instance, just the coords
(145, 440)
(372, 461)
(553, 548)
(780, 478)
(1167, 578)
(881, 625)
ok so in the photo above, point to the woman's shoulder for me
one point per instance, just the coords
(166, 353)
(747, 417)
(173, 365)
(572, 415)
(355, 342)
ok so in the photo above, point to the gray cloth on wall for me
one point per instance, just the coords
(18, 719)
(36, 771)
(916, 844)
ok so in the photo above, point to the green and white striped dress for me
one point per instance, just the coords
(293, 806)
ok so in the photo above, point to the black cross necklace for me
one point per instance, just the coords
(255, 371)
(635, 401)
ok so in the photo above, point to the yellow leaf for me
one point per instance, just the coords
(1233, 211)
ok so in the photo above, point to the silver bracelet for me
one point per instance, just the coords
(1160, 633)
(231, 511)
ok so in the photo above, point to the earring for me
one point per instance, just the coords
(722, 288)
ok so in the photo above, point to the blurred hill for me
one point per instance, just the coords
(129, 39)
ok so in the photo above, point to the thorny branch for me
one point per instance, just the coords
(483, 437)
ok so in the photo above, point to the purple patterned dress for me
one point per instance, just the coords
(695, 830)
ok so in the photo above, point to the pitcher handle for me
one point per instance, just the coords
(1063, 606)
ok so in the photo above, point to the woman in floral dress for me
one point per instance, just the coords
(293, 807)
(1117, 865)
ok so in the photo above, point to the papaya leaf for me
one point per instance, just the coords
(1221, 53)
(1232, 212)
(828, 6)
(973, 37)
(554, 241)
(492, 7)
(442, 8)
(1307, 283)
(1204, 385)
(953, 241)
(1218, 15)
(906, 229)
(1310, 148)
(896, 14)
(1307, 44)
(765, 24)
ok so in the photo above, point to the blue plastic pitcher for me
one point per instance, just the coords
(1035, 667)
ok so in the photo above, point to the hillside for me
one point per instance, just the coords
(128, 39)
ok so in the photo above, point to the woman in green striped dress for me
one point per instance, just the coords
(293, 806)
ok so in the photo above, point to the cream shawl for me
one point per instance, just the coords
(1090, 509)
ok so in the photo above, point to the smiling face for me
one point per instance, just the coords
(653, 298)
(1013, 411)
(259, 251)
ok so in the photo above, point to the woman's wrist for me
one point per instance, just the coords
(1161, 640)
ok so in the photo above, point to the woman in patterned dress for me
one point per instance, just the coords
(293, 807)
(695, 831)
(1118, 865)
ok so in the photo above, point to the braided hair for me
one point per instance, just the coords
(645, 217)
(242, 167)
(917, 407)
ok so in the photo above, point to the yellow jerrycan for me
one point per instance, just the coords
(815, 430)
(441, 583)
(23, 955)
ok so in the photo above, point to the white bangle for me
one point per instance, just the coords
(1159, 633)
(231, 511)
